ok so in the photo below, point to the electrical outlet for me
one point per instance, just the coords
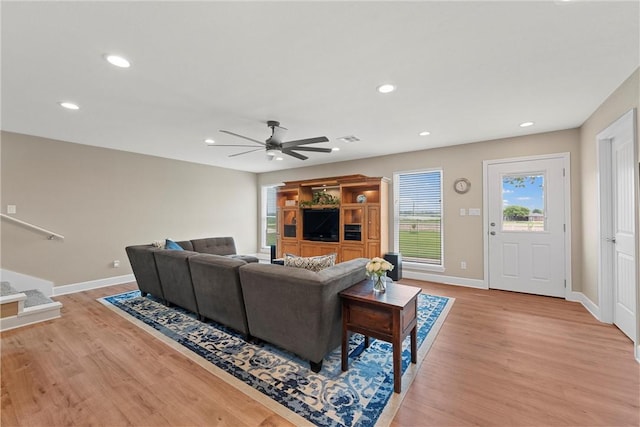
(11, 209)
(116, 264)
(463, 265)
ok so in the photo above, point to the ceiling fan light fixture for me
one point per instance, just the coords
(278, 158)
(273, 152)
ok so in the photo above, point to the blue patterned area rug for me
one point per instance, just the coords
(362, 396)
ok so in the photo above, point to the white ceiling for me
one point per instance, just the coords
(465, 71)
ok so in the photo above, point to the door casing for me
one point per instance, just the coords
(605, 224)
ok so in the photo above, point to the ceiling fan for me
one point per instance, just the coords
(274, 144)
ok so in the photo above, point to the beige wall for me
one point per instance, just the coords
(463, 235)
(102, 200)
(619, 102)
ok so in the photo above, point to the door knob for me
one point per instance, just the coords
(493, 233)
(493, 224)
(610, 239)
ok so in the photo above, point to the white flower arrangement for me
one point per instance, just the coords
(378, 267)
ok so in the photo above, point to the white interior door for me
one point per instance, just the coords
(526, 215)
(624, 233)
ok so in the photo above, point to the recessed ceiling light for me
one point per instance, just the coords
(118, 61)
(386, 88)
(209, 141)
(526, 124)
(424, 133)
(278, 158)
(335, 149)
(69, 105)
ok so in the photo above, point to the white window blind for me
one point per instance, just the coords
(269, 223)
(418, 216)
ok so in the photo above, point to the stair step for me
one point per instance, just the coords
(6, 289)
(35, 298)
(32, 307)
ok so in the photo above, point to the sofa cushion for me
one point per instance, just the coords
(170, 244)
(245, 258)
(215, 245)
(315, 263)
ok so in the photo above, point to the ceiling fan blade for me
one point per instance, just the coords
(244, 152)
(231, 145)
(315, 149)
(242, 136)
(294, 154)
(297, 142)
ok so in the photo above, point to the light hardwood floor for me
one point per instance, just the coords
(501, 359)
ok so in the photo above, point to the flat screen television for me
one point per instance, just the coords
(321, 224)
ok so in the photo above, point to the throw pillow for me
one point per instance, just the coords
(315, 263)
(158, 243)
(170, 244)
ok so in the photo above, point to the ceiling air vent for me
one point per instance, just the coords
(350, 138)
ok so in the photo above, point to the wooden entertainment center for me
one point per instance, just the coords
(362, 203)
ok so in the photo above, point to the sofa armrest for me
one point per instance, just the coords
(143, 265)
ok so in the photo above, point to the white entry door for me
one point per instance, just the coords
(526, 217)
(617, 224)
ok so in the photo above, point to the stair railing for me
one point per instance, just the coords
(50, 234)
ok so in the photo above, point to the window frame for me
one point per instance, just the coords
(396, 219)
(264, 191)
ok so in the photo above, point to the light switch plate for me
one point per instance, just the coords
(11, 209)
(463, 211)
(474, 211)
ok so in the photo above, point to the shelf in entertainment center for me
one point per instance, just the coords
(321, 207)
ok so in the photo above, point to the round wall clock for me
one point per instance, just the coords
(461, 185)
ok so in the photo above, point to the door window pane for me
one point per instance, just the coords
(523, 207)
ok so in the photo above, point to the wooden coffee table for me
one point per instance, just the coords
(389, 316)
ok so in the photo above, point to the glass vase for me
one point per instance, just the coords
(379, 282)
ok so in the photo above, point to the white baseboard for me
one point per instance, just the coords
(22, 282)
(92, 284)
(447, 280)
(586, 302)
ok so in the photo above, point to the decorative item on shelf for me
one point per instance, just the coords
(361, 198)
(321, 198)
(377, 270)
(290, 202)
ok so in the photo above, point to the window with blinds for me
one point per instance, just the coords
(418, 216)
(269, 222)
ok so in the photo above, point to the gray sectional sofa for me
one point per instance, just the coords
(295, 309)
